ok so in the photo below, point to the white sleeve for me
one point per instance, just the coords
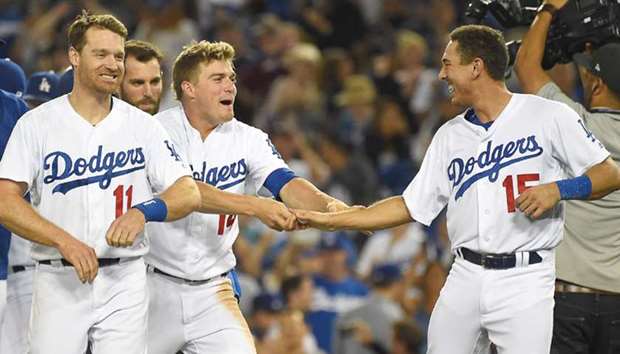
(429, 191)
(21, 161)
(263, 158)
(573, 144)
(164, 165)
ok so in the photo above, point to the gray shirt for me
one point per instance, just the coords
(379, 313)
(589, 255)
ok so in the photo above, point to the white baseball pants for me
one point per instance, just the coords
(512, 308)
(110, 313)
(196, 318)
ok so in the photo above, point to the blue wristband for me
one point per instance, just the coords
(153, 210)
(575, 188)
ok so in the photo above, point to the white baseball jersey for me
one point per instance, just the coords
(479, 174)
(234, 157)
(19, 253)
(82, 177)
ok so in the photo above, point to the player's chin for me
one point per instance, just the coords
(108, 88)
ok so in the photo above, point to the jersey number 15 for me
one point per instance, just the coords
(521, 187)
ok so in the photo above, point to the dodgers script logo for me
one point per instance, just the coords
(222, 174)
(59, 166)
(491, 161)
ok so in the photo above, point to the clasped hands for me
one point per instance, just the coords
(279, 217)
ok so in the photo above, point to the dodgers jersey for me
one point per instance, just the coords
(480, 173)
(234, 157)
(81, 177)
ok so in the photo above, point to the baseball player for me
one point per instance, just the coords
(501, 168)
(92, 164)
(11, 108)
(14, 328)
(142, 84)
(191, 264)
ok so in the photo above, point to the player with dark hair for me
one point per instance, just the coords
(501, 168)
(142, 84)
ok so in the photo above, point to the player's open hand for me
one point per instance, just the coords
(124, 230)
(337, 205)
(82, 257)
(275, 215)
(535, 201)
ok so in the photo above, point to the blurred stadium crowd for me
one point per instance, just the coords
(348, 91)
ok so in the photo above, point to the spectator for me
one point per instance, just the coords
(357, 111)
(398, 245)
(380, 311)
(336, 290)
(352, 178)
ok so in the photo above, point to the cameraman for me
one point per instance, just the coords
(587, 297)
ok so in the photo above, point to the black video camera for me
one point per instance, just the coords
(577, 23)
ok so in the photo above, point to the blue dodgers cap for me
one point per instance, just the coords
(13, 77)
(267, 302)
(42, 86)
(65, 84)
(333, 241)
(385, 274)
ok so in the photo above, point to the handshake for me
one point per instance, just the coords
(279, 217)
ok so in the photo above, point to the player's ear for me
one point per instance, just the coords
(188, 89)
(477, 67)
(74, 56)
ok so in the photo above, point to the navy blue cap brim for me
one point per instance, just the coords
(585, 60)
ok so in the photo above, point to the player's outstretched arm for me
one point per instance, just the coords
(19, 217)
(600, 180)
(270, 212)
(177, 201)
(384, 214)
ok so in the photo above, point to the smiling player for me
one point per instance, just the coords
(501, 168)
(191, 278)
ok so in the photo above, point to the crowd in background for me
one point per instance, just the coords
(348, 91)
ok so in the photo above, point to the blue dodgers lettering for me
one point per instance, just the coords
(219, 176)
(59, 166)
(491, 161)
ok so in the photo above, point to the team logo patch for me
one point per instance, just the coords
(274, 150)
(173, 151)
(490, 162)
(59, 166)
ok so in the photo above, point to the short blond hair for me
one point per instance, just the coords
(77, 31)
(187, 65)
